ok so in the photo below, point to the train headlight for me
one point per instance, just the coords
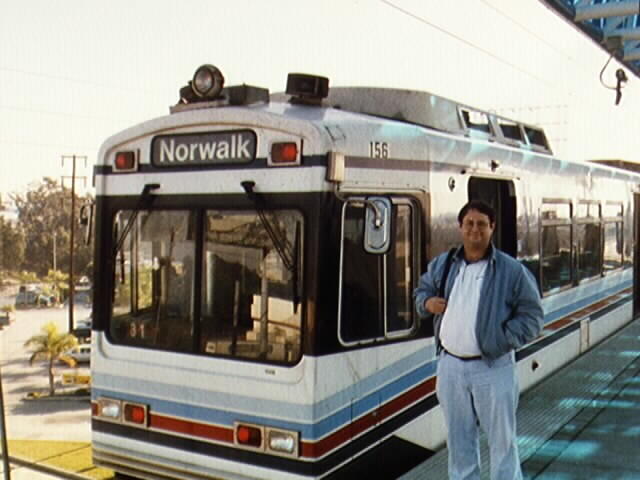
(282, 441)
(207, 82)
(109, 409)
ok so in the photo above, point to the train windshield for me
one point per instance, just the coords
(214, 282)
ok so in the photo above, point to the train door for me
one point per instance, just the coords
(501, 195)
(636, 255)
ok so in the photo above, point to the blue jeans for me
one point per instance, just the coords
(475, 395)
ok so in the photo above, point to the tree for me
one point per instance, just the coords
(27, 277)
(51, 346)
(44, 215)
(12, 246)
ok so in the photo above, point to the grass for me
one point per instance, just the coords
(69, 456)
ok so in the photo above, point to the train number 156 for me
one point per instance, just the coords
(378, 149)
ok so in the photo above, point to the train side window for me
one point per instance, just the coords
(537, 139)
(613, 236)
(556, 231)
(588, 231)
(511, 131)
(375, 289)
(476, 123)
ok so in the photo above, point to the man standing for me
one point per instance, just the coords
(490, 307)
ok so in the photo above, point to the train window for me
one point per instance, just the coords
(511, 130)
(588, 231)
(537, 138)
(613, 236)
(399, 299)
(248, 291)
(152, 297)
(612, 211)
(556, 230)
(476, 122)
(375, 290)
(250, 285)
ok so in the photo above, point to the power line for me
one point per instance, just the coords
(56, 113)
(61, 146)
(552, 46)
(465, 42)
(75, 80)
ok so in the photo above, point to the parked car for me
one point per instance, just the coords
(30, 296)
(26, 298)
(82, 330)
(81, 353)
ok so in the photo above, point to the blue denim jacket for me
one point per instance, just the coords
(510, 311)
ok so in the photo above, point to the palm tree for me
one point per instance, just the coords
(51, 346)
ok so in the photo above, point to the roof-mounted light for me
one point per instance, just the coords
(309, 89)
(207, 82)
(206, 85)
(206, 90)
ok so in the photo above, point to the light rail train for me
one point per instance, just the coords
(255, 258)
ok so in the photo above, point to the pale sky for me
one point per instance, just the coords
(74, 72)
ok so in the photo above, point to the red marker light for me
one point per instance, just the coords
(135, 414)
(125, 161)
(250, 436)
(284, 153)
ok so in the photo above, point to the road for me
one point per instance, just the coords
(65, 419)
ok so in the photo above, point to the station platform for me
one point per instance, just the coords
(581, 422)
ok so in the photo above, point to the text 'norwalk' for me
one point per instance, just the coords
(205, 148)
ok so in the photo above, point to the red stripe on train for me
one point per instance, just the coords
(186, 427)
(307, 449)
(336, 439)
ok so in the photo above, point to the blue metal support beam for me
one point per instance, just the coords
(606, 10)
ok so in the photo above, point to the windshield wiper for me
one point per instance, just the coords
(289, 255)
(280, 244)
(143, 201)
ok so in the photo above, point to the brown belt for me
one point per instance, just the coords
(464, 359)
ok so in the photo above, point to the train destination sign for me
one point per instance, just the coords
(206, 148)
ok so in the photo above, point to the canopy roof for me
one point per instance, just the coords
(612, 24)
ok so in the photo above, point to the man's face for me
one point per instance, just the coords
(476, 230)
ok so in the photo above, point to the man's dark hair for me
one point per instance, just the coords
(481, 207)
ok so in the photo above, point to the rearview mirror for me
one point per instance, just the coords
(377, 230)
(86, 221)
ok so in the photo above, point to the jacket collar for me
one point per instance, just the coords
(489, 255)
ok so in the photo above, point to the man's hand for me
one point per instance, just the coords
(435, 305)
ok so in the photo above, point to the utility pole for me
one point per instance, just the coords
(3, 424)
(73, 159)
(55, 265)
(3, 439)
